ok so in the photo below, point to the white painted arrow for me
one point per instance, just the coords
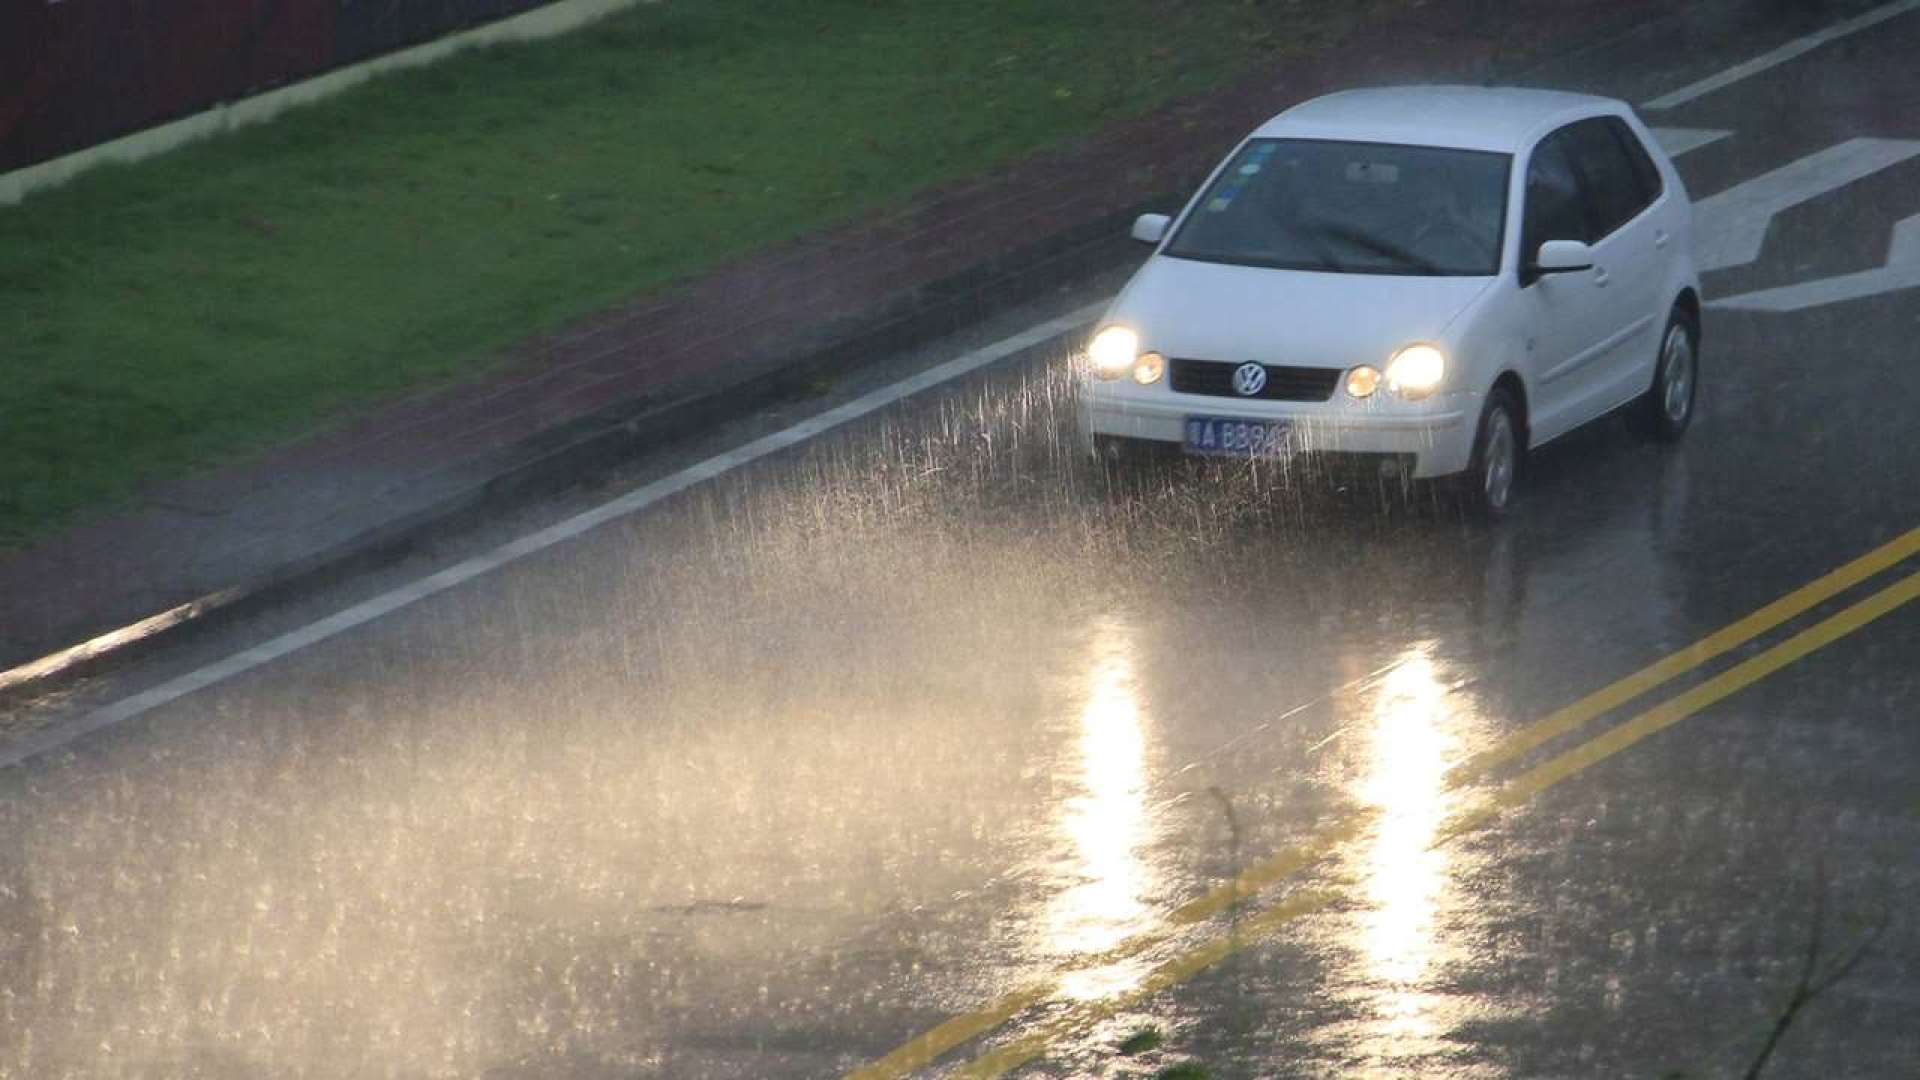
(1902, 271)
(1729, 228)
(1677, 141)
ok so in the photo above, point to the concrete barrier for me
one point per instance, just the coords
(543, 22)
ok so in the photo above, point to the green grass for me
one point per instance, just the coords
(1141, 1041)
(198, 307)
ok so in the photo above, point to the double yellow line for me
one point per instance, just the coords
(922, 1050)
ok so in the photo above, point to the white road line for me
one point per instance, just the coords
(1729, 228)
(640, 498)
(1678, 141)
(1902, 271)
(1789, 51)
(1904, 248)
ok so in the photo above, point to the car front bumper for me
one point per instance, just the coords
(1437, 434)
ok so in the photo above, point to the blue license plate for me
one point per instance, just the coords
(1237, 438)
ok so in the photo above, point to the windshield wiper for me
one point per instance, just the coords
(1328, 258)
(1384, 247)
(1233, 259)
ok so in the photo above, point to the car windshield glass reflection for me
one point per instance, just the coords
(1349, 207)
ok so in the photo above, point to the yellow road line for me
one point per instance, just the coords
(1012, 1055)
(939, 1040)
(1179, 969)
(923, 1049)
(1741, 675)
(1720, 641)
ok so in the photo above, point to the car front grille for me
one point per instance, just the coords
(1213, 378)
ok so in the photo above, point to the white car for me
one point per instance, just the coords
(1438, 278)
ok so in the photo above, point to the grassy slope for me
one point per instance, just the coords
(245, 290)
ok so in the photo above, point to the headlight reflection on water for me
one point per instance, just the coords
(1108, 823)
(1405, 873)
(1418, 727)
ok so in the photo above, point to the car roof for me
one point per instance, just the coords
(1504, 119)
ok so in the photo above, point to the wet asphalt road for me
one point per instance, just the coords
(777, 776)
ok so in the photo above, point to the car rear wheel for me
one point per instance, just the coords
(1667, 409)
(1494, 469)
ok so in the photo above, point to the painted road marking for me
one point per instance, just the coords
(1012, 1055)
(1678, 141)
(1732, 636)
(1729, 228)
(1791, 50)
(1003, 1059)
(922, 1050)
(59, 735)
(1901, 271)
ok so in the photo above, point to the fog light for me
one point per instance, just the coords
(1363, 381)
(1149, 368)
(1112, 351)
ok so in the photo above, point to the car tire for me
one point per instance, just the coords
(1667, 408)
(1493, 471)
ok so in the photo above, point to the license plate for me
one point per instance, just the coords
(1238, 438)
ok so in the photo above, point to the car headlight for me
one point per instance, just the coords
(1113, 351)
(1149, 368)
(1416, 370)
(1363, 381)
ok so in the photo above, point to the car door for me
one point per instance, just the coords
(1563, 313)
(1628, 253)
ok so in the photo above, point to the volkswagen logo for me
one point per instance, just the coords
(1249, 380)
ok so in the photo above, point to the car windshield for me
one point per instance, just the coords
(1352, 207)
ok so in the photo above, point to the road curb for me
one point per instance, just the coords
(579, 451)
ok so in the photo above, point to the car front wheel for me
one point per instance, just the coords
(1495, 466)
(1669, 403)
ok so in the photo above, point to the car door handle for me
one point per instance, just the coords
(1660, 238)
(1601, 277)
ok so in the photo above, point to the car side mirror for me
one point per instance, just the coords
(1151, 228)
(1563, 257)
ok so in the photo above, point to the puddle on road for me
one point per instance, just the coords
(744, 777)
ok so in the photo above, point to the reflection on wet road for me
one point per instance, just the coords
(936, 726)
(1413, 739)
(1107, 884)
(852, 744)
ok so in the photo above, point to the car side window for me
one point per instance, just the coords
(1614, 189)
(1651, 185)
(1555, 209)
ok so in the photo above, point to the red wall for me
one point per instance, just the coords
(74, 73)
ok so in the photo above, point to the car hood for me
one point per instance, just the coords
(1216, 311)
